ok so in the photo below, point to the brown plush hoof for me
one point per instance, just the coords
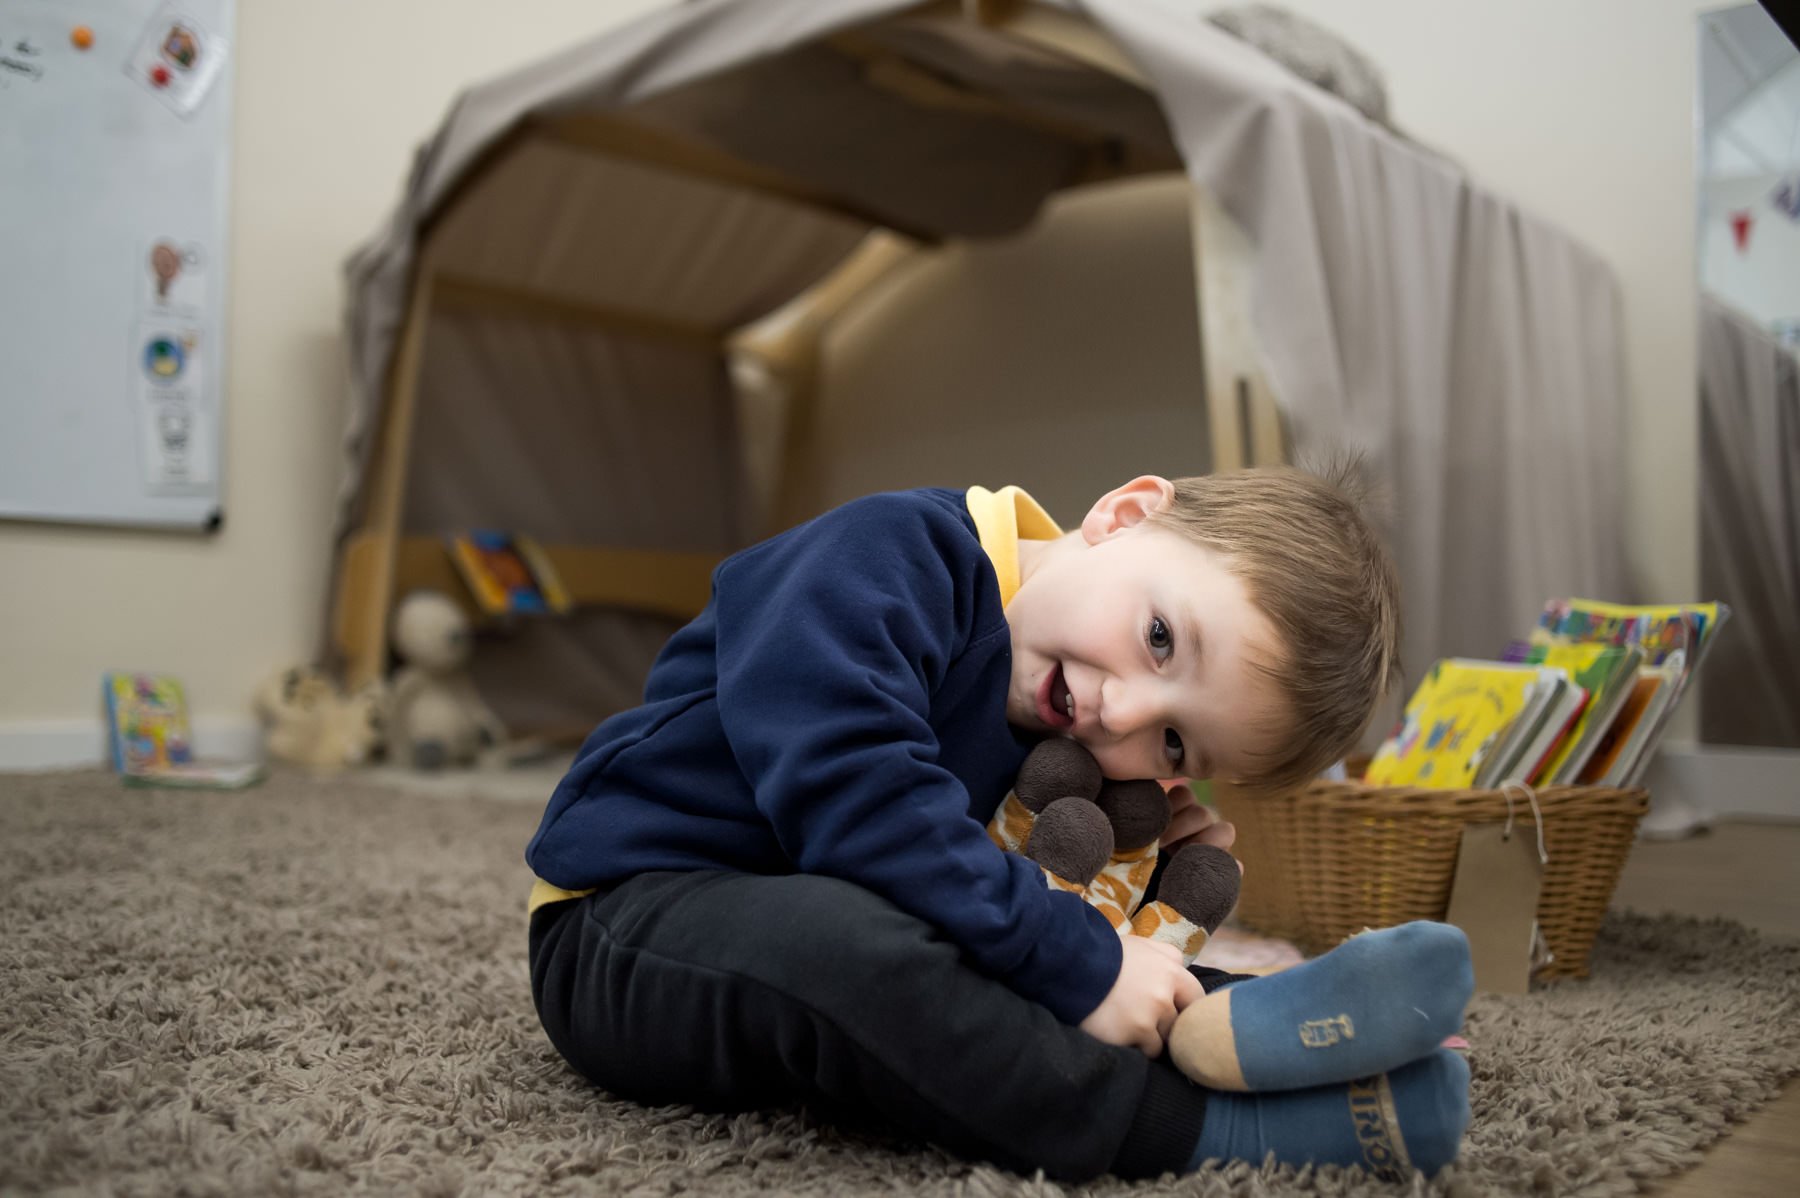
(1056, 769)
(1201, 883)
(1138, 812)
(1071, 839)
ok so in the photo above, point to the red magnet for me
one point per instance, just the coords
(1740, 228)
(159, 75)
(82, 36)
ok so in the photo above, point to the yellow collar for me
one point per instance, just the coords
(1002, 519)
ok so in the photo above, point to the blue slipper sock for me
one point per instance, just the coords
(1373, 1003)
(1390, 1124)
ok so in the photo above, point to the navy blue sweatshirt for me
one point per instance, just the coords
(839, 708)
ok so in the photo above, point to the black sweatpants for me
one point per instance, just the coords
(735, 991)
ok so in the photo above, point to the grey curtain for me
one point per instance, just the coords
(1750, 529)
(1470, 350)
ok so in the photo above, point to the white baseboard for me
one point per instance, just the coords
(30, 745)
(1726, 781)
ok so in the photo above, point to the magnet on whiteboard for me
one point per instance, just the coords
(82, 37)
(176, 58)
(165, 357)
(165, 263)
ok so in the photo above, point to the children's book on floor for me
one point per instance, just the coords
(1584, 698)
(151, 739)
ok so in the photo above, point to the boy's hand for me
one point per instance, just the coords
(1192, 821)
(1152, 988)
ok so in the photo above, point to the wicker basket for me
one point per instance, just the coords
(1337, 857)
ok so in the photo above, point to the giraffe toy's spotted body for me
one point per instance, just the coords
(1011, 824)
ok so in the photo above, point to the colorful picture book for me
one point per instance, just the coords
(508, 574)
(1674, 640)
(1538, 733)
(147, 722)
(1585, 698)
(1623, 758)
(1606, 672)
(1454, 722)
(150, 738)
(197, 776)
(1657, 630)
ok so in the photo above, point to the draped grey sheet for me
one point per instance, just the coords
(1471, 350)
(1750, 529)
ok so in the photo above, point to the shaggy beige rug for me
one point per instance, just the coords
(321, 988)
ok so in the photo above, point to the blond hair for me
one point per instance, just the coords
(1307, 552)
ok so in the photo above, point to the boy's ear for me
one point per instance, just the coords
(1125, 507)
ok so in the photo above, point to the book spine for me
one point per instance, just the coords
(115, 739)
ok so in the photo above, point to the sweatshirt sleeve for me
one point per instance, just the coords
(829, 648)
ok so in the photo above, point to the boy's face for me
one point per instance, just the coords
(1139, 644)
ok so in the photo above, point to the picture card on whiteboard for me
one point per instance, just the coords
(175, 423)
(177, 58)
(171, 277)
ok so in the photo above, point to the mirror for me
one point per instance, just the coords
(1748, 160)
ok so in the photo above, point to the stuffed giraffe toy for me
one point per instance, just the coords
(1098, 839)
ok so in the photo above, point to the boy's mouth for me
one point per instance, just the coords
(1056, 706)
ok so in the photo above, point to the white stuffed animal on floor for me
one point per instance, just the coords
(435, 716)
(308, 721)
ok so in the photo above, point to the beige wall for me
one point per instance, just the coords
(1578, 111)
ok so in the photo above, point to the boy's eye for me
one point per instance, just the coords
(1159, 638)
(1172, 748)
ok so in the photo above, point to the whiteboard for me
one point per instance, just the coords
(115, 127)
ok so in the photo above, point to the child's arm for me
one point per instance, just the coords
(830, 648)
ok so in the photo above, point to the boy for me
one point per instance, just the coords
(771, 882)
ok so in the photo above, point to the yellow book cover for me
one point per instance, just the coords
(1452, 721)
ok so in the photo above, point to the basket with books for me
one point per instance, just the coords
(1552, 739)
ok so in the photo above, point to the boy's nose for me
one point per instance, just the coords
(1126, 709)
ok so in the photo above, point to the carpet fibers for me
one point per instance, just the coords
(320, 988)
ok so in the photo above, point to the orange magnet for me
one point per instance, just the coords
(82, 36)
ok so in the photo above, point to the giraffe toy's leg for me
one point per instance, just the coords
(1139, 813)
(1160, 921)
(1198, 890)
(1070, 841)
(1055, 769)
